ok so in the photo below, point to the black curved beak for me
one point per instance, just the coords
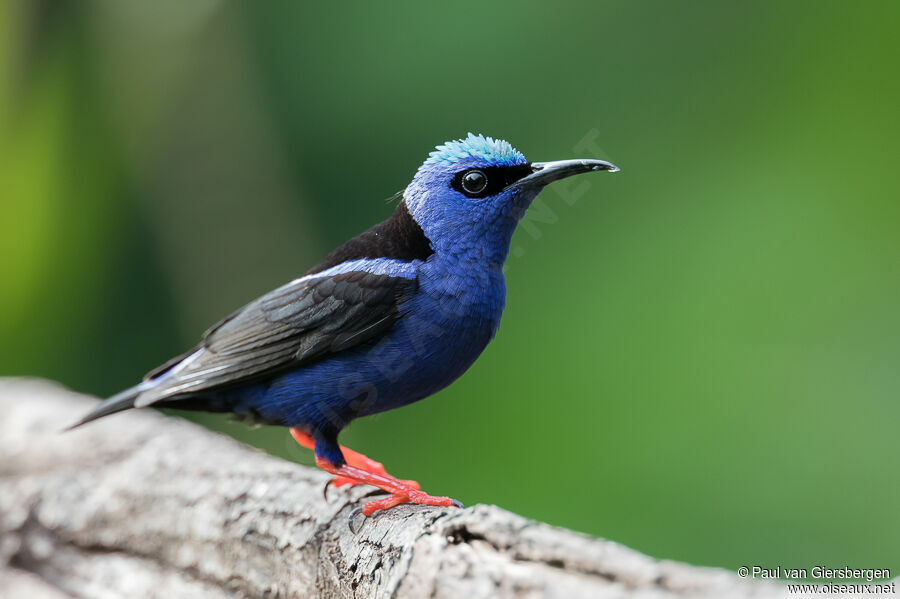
(548, 172)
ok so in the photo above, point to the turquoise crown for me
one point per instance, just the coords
(496, 151)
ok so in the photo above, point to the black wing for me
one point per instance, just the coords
(293, 325)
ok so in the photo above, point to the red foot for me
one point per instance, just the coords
(360, 469)
(412, 496)
(364, 462)
(353, 458)
(400, 492)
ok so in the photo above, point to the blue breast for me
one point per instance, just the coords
(444, 327)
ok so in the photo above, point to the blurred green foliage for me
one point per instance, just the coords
(699, 357)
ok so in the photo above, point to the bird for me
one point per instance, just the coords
(390, 317)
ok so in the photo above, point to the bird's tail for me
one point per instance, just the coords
(119, 402)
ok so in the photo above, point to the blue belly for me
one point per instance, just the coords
(438, 337)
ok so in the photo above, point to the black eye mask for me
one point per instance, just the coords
(491, 180)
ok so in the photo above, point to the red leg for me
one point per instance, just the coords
(355, 473)
(304, 439)
(353, 458)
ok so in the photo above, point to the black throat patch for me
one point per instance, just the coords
(399, 238)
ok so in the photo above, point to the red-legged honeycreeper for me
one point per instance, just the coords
(388, 318)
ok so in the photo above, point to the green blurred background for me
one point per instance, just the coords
(699, 356)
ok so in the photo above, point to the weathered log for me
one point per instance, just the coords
(144, 505)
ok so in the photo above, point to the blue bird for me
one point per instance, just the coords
(388, 318)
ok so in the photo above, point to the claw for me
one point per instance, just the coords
(338, 482)
(353, 514)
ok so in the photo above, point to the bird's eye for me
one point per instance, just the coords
(474, 182)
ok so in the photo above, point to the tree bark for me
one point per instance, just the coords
(143, 505)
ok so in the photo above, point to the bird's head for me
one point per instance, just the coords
(470, 193)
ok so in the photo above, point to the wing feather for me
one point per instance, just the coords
(296, 324)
